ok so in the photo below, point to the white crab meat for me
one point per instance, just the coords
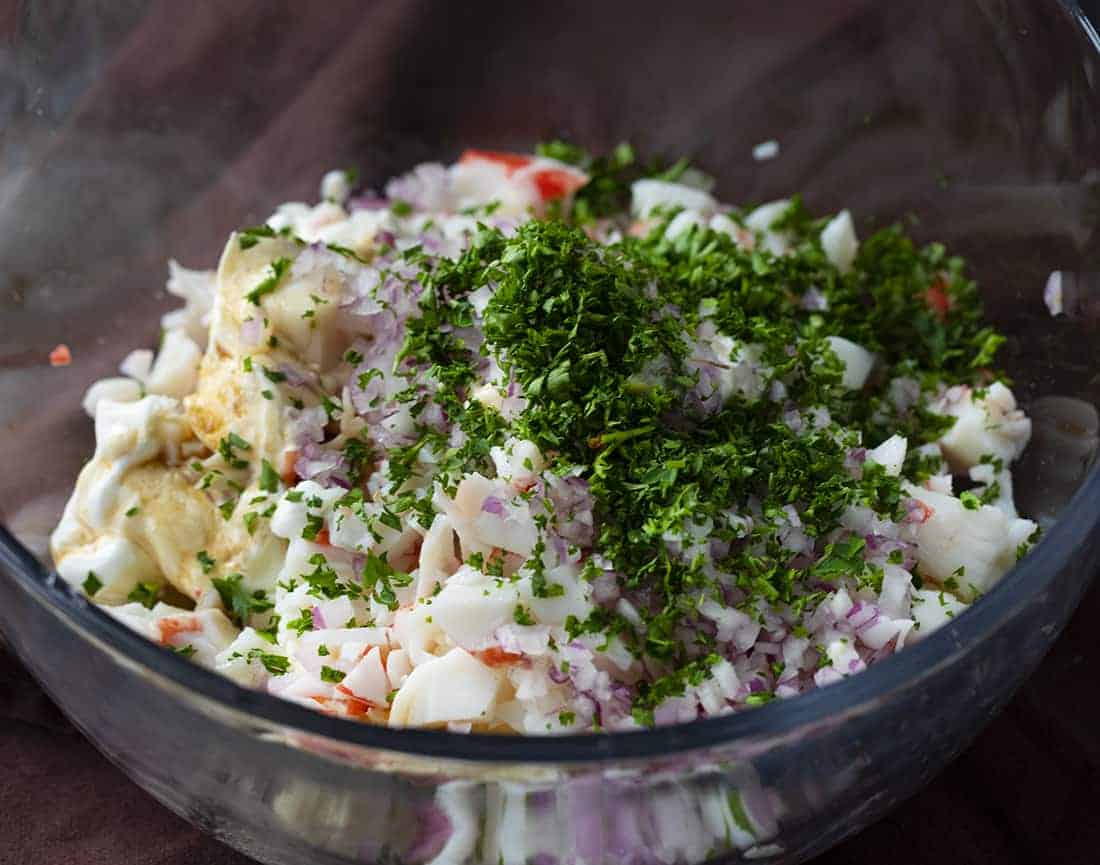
(646, 196)
(472, 606)
(117, 389)
(175, 372)
(368, 679)
(838, 239)
(858, 362)
(890, 454)
(933, 609)
(455, 687)
(987, 425)
(982, 542)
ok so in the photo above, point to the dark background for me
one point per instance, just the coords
(1025, 792)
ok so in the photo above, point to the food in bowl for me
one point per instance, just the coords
(548, 444)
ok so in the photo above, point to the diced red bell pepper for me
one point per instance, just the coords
(937, 298)
(554, 183)
(512, 162)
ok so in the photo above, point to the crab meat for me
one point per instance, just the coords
(989, 425)
(838, 239)
(455, 687)
(858, 362)
(981, 542)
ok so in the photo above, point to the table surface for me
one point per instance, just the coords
(1023, 794)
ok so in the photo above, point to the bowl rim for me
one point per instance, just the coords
(1027, 580)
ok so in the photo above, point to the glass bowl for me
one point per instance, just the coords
(144, 131)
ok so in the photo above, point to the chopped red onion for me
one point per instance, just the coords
(493, 505)
(426, 187)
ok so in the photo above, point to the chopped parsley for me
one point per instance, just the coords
(227, 450)
(240, 603)
(269, 478)
(92, 584)
(970, 501)
(522, 615)
(302, 624)
(314, 524)
(279, 267)
(249, 237)
(276, 665)
(380, 578)
(146, 594)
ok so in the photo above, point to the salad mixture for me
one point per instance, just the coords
(551, 443)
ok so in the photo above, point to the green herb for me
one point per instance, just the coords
(522, 615)
(271, 632)
(302, 624)
(323, 580)
(278, 268)
(379, 579)
(328, 674)
(239, 602)
(249, 237)
(227, 448)
(276, 665)
(146, 594)
(346, 252)
(269, 478)
(92, 584)
(970, 501)
(187, 651)
(313, 526)
(132, 512)
(205, 561)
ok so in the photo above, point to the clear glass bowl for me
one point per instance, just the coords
(148, 131)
